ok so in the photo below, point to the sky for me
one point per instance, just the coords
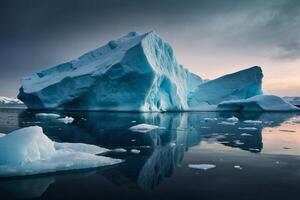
(209, 37)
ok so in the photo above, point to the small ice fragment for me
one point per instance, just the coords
(232, 119)
(143, 128)
(133, 140)
(47, 115)
(66, 120)
(247, 128)
(119, 150)
(210, 119)
(237, 167)
(2, 134)
(133, 121)
(246, 134)
(238, 142)
(205, 127)
(202, 166)
(135, 151)
(254, 149)
(277, 162)
(252, 121)
(227, 123)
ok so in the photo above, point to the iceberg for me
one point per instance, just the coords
(34, 153)
(137, 72)
(10, 101)
(239, 85)
(258, 103)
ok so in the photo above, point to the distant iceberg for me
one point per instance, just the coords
(29, 151)
(138, 72)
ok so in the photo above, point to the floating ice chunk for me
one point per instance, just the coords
(237, 167)
(135, 151)
(252, 121)
(133, 121)
(47, 115)
(254, 149)
(66, 120)
(246, 134)
(119, 150)
(2, 134)
(227, 123)
(210, 119)
(144, 128)
(238, 142)
(34, 153)
(80, 147)
(247, 128)
(202, 166)
(232, 119)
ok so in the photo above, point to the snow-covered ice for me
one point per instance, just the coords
(144, 128)
(34, 153)
(10, 101)
(202, 166)
(2, 134)
(66, 120)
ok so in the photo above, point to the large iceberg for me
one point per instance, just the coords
(133, 73)
(29, 151)
(136, 73)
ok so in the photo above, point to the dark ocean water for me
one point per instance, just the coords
(268, 156)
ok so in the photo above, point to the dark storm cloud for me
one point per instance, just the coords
(40, 33)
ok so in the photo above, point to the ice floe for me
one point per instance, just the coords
(66, 120)
(47, 115)
(144, 128)
(29, 151)
(202, 166)
(247, 128)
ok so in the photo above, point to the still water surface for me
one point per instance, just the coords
(267, 154)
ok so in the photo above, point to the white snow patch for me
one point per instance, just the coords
(34, 153)
(143, 128)
(202, 166)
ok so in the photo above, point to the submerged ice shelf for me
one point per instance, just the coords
(34, 153)
(137, 72)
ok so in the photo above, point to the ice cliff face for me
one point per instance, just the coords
(133, 73)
